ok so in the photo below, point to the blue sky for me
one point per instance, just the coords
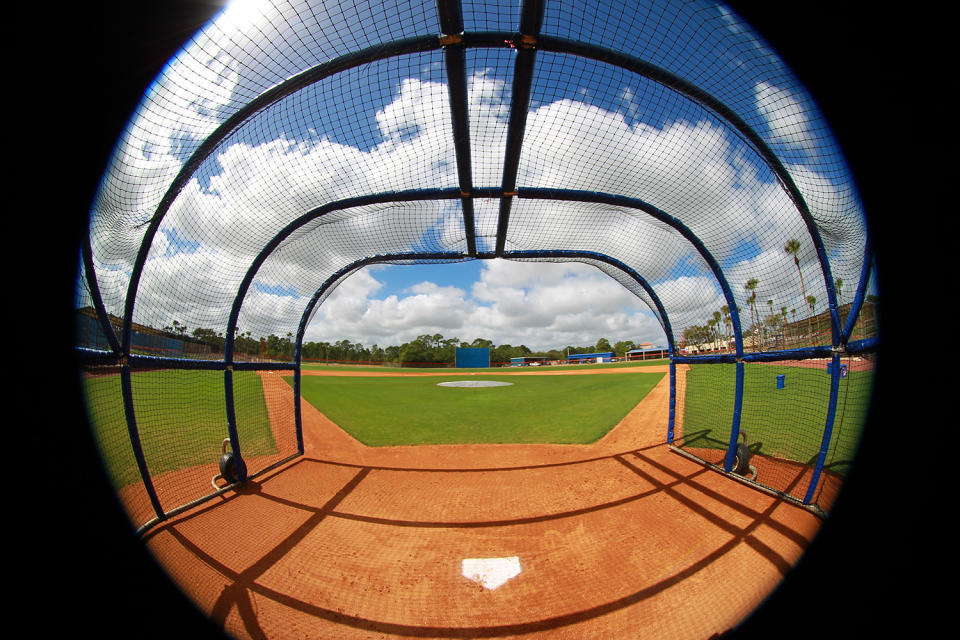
(384, 126)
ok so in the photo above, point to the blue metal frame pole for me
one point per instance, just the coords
(735, 426)
(673, 400)
(241, 466)
(828, 428)
(297, 412)
(126, 387)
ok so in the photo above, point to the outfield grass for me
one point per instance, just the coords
(577, 367)
(181, 418)
(786, 423)
(534, 409)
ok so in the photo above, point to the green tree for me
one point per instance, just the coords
(620, 348)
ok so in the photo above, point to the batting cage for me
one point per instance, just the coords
(287, 147)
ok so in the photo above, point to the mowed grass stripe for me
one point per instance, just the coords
(391, 411)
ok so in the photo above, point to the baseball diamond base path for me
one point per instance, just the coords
(618, 539)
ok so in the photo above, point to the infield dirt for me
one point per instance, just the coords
(618, 539)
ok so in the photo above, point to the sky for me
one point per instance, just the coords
(540, 305)
(384, 126)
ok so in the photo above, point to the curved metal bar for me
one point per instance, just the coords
(269, 248)
(413, 195)
(456, 257)
(426, 43)
(602, 257)
(102, 317)
(329, 282)
(693, 239)
(858, 298)
(543, 43)
(126, 385)
(308, 77)
(660, 215)
(672, 81)
(450, 256)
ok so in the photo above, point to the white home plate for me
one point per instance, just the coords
(474, 383)
(490, 573)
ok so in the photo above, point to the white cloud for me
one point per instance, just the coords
(784, 115)
(693, 170)
(542, 305)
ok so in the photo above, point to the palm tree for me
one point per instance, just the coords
(783, 324)
(770, 306)
(728, 323)
(751, 286)
(812, 303)
(717, 316)
(793, 248)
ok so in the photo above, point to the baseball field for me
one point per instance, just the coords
(520, 539)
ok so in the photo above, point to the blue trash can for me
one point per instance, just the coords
(781, 379)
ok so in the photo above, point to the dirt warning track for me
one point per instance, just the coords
(618, 539)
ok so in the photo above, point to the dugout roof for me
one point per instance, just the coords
(289, 145)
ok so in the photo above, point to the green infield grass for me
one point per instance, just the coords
(534, 409)
(181, 418)
(577, 367)
(785, 423)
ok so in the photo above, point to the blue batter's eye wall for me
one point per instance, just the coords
(606, 356)
(472, 357)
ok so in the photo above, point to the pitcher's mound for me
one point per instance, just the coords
(474, 383)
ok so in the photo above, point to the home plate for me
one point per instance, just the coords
(490, 573)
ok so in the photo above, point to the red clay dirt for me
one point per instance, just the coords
(622, 538)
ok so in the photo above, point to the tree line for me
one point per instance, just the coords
(426, 349)
(774, 327)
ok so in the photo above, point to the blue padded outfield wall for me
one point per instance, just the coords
(471, 357)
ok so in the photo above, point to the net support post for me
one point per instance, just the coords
(673, 401)
(232, 425)
(735, 426)
(126, 387)
(297, 416)
(827, 429)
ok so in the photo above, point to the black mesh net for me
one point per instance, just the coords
(663, 143)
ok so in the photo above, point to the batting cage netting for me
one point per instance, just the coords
(283, 150)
